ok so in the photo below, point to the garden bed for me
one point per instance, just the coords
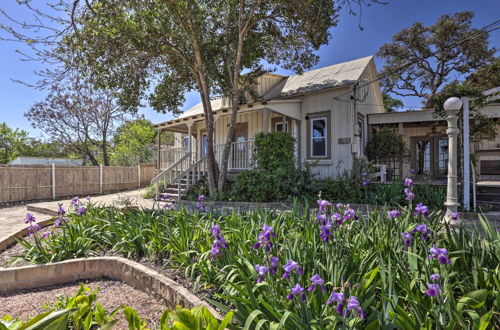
(336, 249)
(111, 295)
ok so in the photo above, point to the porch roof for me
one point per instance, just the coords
(290, 108)
(491, 111)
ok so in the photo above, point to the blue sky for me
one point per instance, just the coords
(348, 42)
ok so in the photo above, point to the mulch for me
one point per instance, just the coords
(24, 304)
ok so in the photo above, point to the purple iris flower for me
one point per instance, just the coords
(274, 265)
(75, 201)
(435, 277)
(424, 231)
(261, 270)
(407, 239)
(339, 205)
(409, 194)
(33, 228)
(290, 267)
(433, 289)
(336, 297)
(349, 214)
(59, 221)
(316, 280)
(365, 183)
(455, 216)
(421, 209)
(215, 230)
(408, 182)
(354, 304)
(81, 210)
(393, 214)
(364, 174)
(219, 242)
(412, 171)
(337, 218)
(326, 230)
(45, 234)
(29, 218)
(320, 216)
(201, 198)
(61, 211)
(441, 254)
(264, 238)
(297, 290)
(323, 205)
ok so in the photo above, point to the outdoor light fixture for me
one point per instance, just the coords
(453, 104)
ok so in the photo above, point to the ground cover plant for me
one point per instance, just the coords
(82, 311)
(330, 267)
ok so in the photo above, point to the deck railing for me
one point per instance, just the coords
(240, 155)
(171, 156)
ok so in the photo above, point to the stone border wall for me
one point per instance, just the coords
(130, 272)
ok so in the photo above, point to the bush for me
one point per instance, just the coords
(274, 151)
(385, 144)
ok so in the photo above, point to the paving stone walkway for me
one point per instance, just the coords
(11, 218)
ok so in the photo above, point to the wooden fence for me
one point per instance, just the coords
(34, 182)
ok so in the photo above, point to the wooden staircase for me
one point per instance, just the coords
(181, 175)
(488, 195)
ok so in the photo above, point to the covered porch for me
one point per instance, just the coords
(191, 136)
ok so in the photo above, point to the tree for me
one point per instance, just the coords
(204, 45)
(166, 48)
(485, 78)
(78, 116)
(132, 143)
(12, 143)
(421, 59)
(391, 104)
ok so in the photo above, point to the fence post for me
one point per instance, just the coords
(139, 174)
(100, 179)
(53, 181)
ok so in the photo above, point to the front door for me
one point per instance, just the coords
(430, 156)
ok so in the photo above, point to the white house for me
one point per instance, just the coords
(324, 109)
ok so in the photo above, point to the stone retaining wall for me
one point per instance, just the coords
(127, 271)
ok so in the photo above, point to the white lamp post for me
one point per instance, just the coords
(452, 107)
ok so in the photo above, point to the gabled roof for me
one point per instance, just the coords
(340, 74)
(336, 75)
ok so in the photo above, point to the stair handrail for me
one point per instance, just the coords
(174, 165)
(184, 174)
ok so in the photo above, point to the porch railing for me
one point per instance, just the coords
(240, 155)
(171, 156)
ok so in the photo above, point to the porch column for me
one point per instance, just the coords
(265, 120)
(452, 106)
(299, 144)
(158, 153)
(190, 144)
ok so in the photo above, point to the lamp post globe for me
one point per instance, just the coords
(452, 104)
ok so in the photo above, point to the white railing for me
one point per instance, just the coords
(382, 172)
(171, 156)
(192, 175)
(240, 155)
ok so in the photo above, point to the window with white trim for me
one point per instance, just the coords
(185, 142)
(278, 127)
(319, 134)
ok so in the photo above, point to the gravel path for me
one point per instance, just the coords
(111, 294)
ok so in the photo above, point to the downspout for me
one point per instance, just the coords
(354, 143)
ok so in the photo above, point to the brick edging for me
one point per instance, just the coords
(130, 272)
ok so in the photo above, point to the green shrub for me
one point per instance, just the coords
(385, 144)
(274, 151)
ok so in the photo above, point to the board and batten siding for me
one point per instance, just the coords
(341, 126)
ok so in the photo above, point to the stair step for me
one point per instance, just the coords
(488, 197)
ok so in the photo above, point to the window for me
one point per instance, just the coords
(278, 126)
(319, 137)
(185, 142)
